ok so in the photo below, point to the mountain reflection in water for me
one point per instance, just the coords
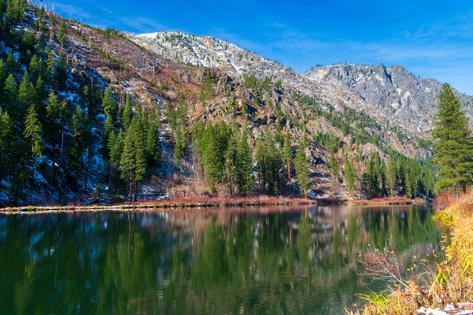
(221, 261)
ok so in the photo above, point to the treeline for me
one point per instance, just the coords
(226, 158)
(51, 129)
(131, 144)
(399, 176)
(45, 111)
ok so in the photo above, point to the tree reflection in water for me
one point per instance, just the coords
(187, 262)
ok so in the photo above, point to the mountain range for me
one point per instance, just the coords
(344, 112)
(391, 94)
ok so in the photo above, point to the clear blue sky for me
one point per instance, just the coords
(431, 38)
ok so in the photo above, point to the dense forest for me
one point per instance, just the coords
(65, 131)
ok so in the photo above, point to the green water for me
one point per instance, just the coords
(193, 262)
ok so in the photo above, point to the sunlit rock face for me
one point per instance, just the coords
(390, 94)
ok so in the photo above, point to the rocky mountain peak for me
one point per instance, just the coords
(405, 97)
(204, 51)
(391, 95)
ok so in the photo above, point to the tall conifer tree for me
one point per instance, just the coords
(453, 150)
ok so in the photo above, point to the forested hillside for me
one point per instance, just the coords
(90, 116)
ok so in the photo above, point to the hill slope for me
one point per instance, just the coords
(390, 95)
(192, 80)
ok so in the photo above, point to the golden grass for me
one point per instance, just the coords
(450, 282)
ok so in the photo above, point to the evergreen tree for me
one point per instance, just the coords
(133, 162)
(287, 155)
(51, 67)
(244, 177)
(350, 175)
(33, 131)
(10, 92)
(61, 32)
(40, 90)
(34, 68)
(24, 95)
(261, 171)
(391, 178)
(114, 150)
(231, 164)
(179, 146)
(6, 133)
(301, 166)
(214, 144)
(53, 113)
(274, 165)
(110, 109)
(127, 113)
(153, 145)
(79, 141)
(334, 169)
(453, 150)
(207, 91)
(3, 75)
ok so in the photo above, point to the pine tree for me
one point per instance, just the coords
(34, 68)
(10, 92)
(79, 142)
(206, 91)
(179, 146)
(114, 150)
(302, 168)
(133, 162)
(153, 144)
(51, 67)
(453, 150)
(61, 32)
(52, 108)
(261, 171)
(287, 155)
(127, 113)
(334, 169)
(244, 177)
(52, 113)
(33, 131)
(273, 166)
(391, 180)
(110, 109)
(214, 144)
(6, 133)
(3, 74)
(350, 175)
(231, 164)
(40, 90)
(11, 64)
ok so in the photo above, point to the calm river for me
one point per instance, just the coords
(228, 261)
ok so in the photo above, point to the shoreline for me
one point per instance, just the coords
(178, 203)
(425, 293)
(386, 202)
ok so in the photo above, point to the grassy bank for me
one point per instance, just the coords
(182, 202)
(387, 201)
(449, 283)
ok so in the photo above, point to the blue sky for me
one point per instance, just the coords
(431, 38)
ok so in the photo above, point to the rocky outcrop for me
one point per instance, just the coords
(408, 99)
(391, 95)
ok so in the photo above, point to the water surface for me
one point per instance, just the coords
(240, 261)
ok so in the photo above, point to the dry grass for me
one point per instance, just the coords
(449, 282)
(178, 202)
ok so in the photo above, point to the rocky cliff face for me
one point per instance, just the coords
(391, 95)
(409, 100)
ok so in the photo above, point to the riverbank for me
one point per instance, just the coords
(195, 202)
(446, 288)
(387, 201)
